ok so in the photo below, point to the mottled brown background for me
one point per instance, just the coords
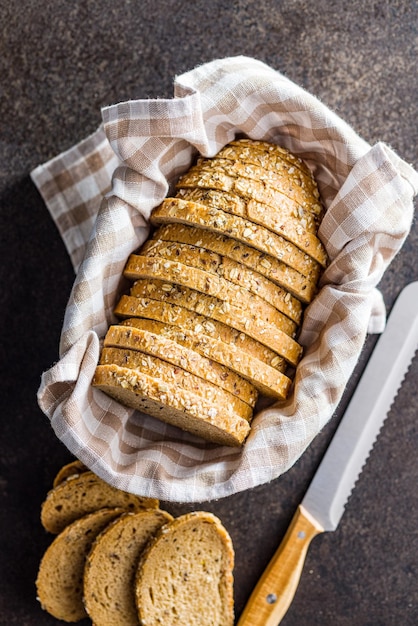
(60, 62)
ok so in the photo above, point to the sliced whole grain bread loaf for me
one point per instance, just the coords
(110, 570)
(59, 582)
(81, 494)
(185, 576)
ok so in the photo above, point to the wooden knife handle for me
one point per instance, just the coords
(276, 588)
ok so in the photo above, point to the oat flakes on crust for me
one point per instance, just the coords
(295, 288)
(231, 294)
(152, 337)
(173, 313)
(261, 376)
(175, 378)
(180, 408)
(175, 210)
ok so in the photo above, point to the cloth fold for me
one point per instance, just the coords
(101, 193)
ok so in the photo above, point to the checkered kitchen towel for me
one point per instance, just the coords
(100, 194)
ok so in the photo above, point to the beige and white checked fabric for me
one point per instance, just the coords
(100, 194)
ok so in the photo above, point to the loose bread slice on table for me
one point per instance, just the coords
(296, 288)
(186, 319)
(77, 496)
(166, 402)
(164, 341)
(186, 574)
(209, 283)
(288, 221)
(110, 570)
(263, 377)
(221, 265)
(243, 321)
(176, 210)
(176, 377)
(59, 582)
(74, 468)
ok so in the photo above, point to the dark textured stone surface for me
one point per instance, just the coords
(59, 63)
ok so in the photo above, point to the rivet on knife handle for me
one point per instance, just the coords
(276, 588)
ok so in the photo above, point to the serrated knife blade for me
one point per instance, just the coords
(323, 504)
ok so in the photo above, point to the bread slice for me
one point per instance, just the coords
(177, 379)
(82, 494)
(74, 468)
(270, 156)
(175, 210)
(223, 266)
(139, 266)
(186, 574)
(186, 319)
(262, 181)
(166, 342)
(288, 220)
(166, 402)
(295, 288)
(59, 581)
(243, 321)
(266, 379)
(110, 570)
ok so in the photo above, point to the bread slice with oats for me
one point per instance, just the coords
(271, 157)
(176, 210)
(185, 575)
(111, 566)
(166, 342)
(296, 289)
(261, 182)
(243, 321)
(59, 582)
(210, 283)
(293, 222)
(176, 377)
(178, 407)
(220, 265)
(265, 378)
(184, 318)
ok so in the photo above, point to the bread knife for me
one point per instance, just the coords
(323, 504)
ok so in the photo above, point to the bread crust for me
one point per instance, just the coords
(166, 342)
(176, 378)
(209, 283)
(175, 210)
(181, 408)
(263, 377)
(295, 288)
